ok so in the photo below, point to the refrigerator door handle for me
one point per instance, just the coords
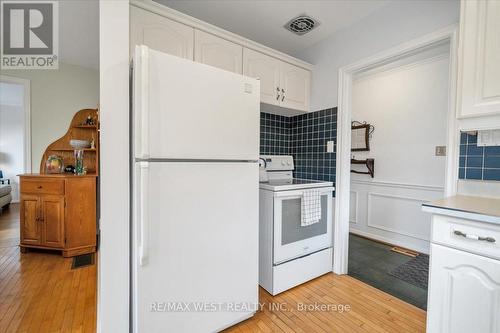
(141, 101)
(144, 213)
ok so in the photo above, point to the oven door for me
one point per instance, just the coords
(291, 240)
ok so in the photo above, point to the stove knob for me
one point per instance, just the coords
(288, 163)
(283, 163)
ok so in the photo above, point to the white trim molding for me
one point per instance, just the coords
(27, 117)
(343, 186)
(399, 185)
(355, 219)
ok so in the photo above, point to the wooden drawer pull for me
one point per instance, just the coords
(474, 237)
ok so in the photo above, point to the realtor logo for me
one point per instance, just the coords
(30, 34)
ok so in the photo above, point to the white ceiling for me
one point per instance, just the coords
(79, 32)
(262, 21)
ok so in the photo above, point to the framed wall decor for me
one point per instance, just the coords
(360, 136)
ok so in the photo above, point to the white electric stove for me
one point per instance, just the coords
(291, 254)
(276, 174)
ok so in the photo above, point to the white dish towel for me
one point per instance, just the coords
(311, 207)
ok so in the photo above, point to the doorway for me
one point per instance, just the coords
(406, 97)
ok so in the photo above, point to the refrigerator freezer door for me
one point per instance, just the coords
(196, 270)
(188, 110)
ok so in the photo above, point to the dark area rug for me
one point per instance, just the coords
(372, 262)
(415, 271)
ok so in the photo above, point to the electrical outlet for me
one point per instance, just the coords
(440, 150)
(330, 146)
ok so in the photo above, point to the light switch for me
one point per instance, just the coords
(440, 150)
(330, 146)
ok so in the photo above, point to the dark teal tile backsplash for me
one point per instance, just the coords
(478, 163)
(304, 137)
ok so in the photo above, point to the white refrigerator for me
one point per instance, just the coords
(195, 146)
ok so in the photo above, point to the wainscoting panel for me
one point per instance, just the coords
(398, 214)
(392, 212)
(353, 209)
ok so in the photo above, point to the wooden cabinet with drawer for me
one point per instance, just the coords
(58, 212)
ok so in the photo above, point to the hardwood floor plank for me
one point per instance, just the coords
(38, 290)
(371, 310)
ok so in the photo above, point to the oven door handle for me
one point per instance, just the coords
(283, 194)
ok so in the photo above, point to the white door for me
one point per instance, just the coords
(464, 292)
(218, 52)
(479, 58)
(187, 110)
(160, 33)
(295, 85)
(196, 234)
(267, 70)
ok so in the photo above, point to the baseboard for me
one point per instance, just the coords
(390, 241)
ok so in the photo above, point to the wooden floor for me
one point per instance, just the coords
(39, 292)
(371, 310)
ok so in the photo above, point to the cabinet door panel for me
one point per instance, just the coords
(160, 33)
(479, 59)
(80, 212)
(464, 292)
(53, 220)
(267, 70)
(29, 216)
(295, 81)
(218, 52)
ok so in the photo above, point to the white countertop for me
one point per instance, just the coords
(467, 207)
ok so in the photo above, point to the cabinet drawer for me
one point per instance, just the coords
(476, 237)
(42, 186)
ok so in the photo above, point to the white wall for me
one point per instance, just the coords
(12, 133)
(408, 105)
(56, 95)
(396, 23)
(113, 269)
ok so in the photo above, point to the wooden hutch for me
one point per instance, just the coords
(59, 211)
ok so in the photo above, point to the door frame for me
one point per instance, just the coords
(343, 172)
(27, 117)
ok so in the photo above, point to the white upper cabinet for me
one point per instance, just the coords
(267, 70)
(217, 52)
(479, 59)
(295, 83)
(281, 83)
(160, 33)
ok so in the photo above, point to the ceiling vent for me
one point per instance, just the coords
(301, 24)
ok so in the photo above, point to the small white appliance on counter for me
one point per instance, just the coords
(195, 132)
(291, 254)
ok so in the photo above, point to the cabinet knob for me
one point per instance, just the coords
(278, 93)
(39, 186)
(283, 96)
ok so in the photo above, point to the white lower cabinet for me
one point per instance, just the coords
(464, 292)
